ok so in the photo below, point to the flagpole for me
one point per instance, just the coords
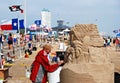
(25, 15)
(19, 38)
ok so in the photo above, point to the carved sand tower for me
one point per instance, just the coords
(87, 61)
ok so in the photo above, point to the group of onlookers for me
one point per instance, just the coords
(112, 42)
(107, 41)
(15, 40)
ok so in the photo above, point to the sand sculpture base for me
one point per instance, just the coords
(87, 73)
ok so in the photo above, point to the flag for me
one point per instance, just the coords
(15, 24)
(38, 22)
(6, 25)
(21, 24)
(15, 8)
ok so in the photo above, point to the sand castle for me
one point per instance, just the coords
(87, 61)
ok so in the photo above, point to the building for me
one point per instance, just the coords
(46, 18)
(60, 27)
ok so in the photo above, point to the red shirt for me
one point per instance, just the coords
(40, 67)
(116, 41)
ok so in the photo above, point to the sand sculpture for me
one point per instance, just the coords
(87, 61)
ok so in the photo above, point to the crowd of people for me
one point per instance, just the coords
(10, 43)
(108, 42)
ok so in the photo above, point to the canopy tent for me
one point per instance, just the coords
(41, 33)
(66, 30)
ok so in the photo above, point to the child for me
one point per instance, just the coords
(2, 61)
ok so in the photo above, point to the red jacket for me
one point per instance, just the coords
(40, 67)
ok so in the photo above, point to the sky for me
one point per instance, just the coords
(104, 13)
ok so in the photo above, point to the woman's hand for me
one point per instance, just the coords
(60, 62)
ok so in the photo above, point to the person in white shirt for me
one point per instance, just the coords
(61, 45)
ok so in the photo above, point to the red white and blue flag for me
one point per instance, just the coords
(12, 25)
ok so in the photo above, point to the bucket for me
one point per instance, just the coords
(2, 66)
(1, 80)
(54, 77)
(27, 73)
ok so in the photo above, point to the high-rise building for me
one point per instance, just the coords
(46, 18)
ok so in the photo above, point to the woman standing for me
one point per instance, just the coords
(41, 65)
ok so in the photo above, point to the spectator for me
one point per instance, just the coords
(10, 41)
(61, 45)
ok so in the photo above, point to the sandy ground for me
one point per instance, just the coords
(17, 73)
